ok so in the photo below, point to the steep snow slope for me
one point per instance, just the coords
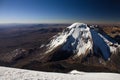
(113, 45)
(19, 74)
(100, 46)
(80, 39)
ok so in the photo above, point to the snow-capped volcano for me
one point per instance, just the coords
(75, 38)
(81, 40)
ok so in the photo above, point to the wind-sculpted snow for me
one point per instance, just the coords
(80, 39)
(20, 74)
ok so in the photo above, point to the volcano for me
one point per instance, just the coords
(80, 40)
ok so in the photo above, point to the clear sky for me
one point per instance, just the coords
(59, 11)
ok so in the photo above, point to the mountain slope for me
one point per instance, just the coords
(80, 47)
(79, 40)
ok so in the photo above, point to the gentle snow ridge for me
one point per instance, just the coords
(20, 74)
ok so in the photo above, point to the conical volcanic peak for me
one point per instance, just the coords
(79, 39)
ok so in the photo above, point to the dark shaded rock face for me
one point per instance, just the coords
(117, 38)
(60, 55)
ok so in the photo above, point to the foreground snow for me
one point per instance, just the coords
(19, 74)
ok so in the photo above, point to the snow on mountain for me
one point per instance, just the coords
(100, 45)
(75, 38)
(20, 74)
(80, 39)
(113, 46)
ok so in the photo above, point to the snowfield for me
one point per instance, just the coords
(20, 74)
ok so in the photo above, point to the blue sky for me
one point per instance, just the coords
(59, 11)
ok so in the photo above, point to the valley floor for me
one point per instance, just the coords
(20, 74)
